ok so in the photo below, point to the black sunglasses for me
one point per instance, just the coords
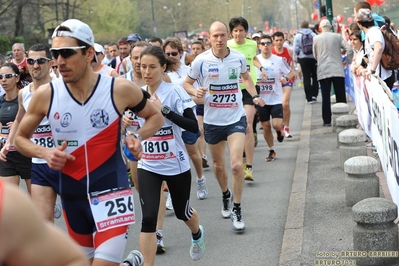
(54, 67)
(172, 53)
(266, 43)
(65, 52)
(40, 61)
(8, 76)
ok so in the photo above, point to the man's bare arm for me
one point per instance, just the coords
(36, 242)
(38, 109)
(130, 95)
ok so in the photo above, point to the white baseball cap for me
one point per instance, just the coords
(256, 35)
(99, 48)
(79, 30)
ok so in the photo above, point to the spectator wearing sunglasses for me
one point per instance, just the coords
(85, 110)
(16, 165)
(43, 194)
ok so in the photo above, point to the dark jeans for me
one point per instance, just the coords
(340, 96)
(390, 81)
(309, 72)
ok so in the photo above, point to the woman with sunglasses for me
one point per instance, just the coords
(164, 156)
(17, 165)
(174, 48)
(54, 73)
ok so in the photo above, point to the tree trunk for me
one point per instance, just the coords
(19, 23)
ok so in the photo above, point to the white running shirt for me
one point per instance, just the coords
(223, 101)
(272, 90)
(165, 152)
(42, 135)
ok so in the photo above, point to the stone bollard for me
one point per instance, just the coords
(345, 122)
(361, 181)
(375, 234)
(351, 143)
(337, 110)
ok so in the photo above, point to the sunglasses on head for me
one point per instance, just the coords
(65, 52)
(266, 43)
(40, 61)
(172, 54)
(8, 76)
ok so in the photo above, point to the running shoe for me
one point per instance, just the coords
(300, 84)
(169, 205)
(280, 136)
(256, 139)
(130, 178)
(314, 99)
(204, 162)
(135, 258)
(160, 246)
(202, 191)
(57, 210)
(286, 132)
(248, 174)
(238, 223)
(226, 208)
(272, 155)
(197, 248)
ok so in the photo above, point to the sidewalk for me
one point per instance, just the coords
(319, 225)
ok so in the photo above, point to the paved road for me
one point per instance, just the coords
(265, 204)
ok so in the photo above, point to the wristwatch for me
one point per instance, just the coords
(136, 135)
(165, 110)
(372, 71)
(255, 96)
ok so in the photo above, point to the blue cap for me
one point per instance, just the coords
(133, 37)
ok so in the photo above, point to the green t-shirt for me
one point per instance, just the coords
(249, 50)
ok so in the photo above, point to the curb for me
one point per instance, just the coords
(291, 247)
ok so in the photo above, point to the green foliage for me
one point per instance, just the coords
(5, 44)
(18, 39)
(111, 20)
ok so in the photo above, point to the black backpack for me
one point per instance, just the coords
(307, 43)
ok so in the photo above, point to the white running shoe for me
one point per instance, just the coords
(226, 208)
(202, 191)
(160, 245)
(286, 132)
(57, 210)
(169, 205)
(238, 223)
(197, 248)
(135, 258)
